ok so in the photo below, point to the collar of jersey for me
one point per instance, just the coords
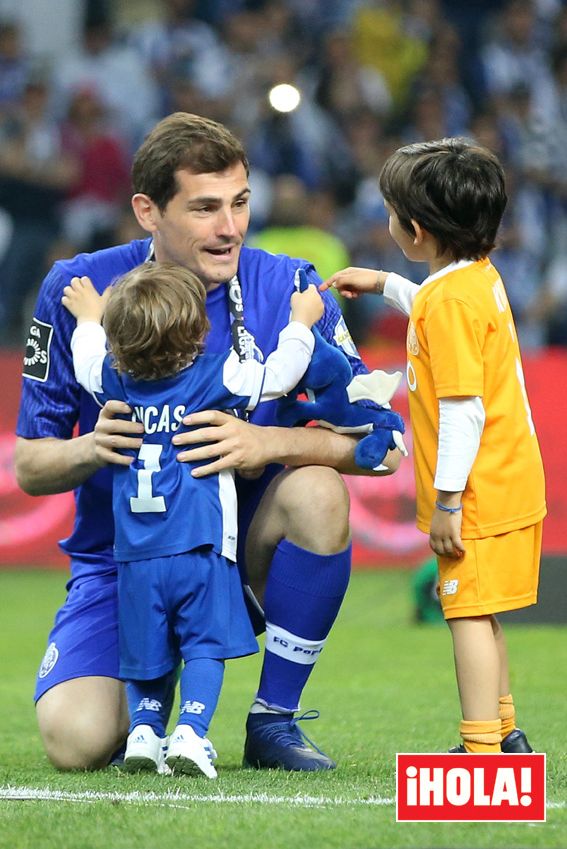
(453, 266)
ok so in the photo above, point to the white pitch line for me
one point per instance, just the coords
(176, 798)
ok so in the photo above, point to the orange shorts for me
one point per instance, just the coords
(496, 574)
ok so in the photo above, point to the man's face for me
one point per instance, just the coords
(205, 223)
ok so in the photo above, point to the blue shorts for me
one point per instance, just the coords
(189, 605)
(84, 638)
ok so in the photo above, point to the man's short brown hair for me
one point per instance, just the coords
(155, 320)
(454, 189)
(183, 141)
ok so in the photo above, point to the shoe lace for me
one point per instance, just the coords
(289, 732)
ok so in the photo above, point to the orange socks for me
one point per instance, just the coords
(481, 735)
(507, 714)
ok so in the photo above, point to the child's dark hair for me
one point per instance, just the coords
(454, 189)
(155, 320)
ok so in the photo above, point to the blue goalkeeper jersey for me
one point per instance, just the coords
(159, 508)
(54, 405)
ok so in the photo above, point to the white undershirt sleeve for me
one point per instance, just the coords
(88, 346)
(461, 422)
(399, 292)
(282, 370)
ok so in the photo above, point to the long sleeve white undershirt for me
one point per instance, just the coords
(88, 346)
(399, 292)
(461, 420)
(261, 381)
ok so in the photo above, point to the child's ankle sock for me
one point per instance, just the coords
(481, 735)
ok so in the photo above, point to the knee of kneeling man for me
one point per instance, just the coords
(327, 493)
(78, 746)
(320, 511)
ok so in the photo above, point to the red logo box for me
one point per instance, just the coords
(470, 788)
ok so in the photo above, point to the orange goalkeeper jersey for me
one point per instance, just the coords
(462, 341)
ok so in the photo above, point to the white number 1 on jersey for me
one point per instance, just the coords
(145, 501)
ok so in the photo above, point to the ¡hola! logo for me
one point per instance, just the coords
(470, 788)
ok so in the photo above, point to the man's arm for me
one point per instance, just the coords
(46, 466)
(231, 443)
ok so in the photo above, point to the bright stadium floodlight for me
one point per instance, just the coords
(284, 97)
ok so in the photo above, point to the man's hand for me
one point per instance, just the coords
(229, 443)
(112, 434)
(445, 534)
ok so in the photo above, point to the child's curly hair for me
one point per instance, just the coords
(155, 320)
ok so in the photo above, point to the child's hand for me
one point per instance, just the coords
(445, 534)
(307, 307)
(352, 282)
(83, 301)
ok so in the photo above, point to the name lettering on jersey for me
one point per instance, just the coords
(342, 337)
(159, 420)
(36, 355)
(412, 343)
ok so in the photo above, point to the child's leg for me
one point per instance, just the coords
(500, 641)
(149, 702)
(477, 664)
(506, 702)
(189, 749)
(200, 683)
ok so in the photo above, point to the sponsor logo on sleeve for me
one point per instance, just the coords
(343, 338)
(36, 356)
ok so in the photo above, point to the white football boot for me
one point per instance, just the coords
(143, 750)
(189, 753)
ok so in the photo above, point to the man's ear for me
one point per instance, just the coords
(419, 233)
(146, 212)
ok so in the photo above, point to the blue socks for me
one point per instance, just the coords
(201, 682)
(150, 702)
(303, 596)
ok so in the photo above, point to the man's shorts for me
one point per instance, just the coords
(496, 574)
(84, 638)
(189, 605)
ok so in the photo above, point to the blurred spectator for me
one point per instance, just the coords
(440, 79)
(179, 46)
(387, 39)
(95, 198)
(35, 173)
(515, 53)
(372, 74)
(296, 227)
(550, 310)
(14, 66)
(306, 142)
(344, 84)
(118, 76)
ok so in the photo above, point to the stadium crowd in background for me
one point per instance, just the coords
(373, 74)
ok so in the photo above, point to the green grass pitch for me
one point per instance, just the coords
(383, 685)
